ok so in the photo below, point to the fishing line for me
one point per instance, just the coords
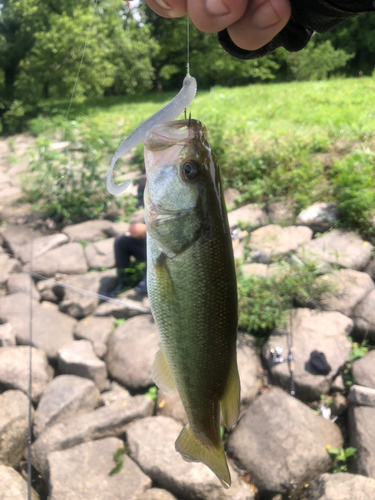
(29, 431)
(81, 61)
(187, 45)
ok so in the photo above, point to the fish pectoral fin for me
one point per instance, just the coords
(193, 450)
(161, 372)
(230, 402)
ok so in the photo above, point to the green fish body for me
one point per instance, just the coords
(192, 287)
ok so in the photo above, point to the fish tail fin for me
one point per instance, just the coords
(193, 450)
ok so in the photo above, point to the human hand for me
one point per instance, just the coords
(251, 24)
(138, 231)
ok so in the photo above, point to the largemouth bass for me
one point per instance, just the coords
(192, 287)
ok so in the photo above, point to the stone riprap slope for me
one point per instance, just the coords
(92, 363)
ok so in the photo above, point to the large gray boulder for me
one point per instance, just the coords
(79, 358)
(83, 472)
(249, 368)
(101, 254)
(321, 331)
(14, 412)
(64, 397)
(107, 421)
(7, 337)
(362, 396)
(13, 486)
(170, 405)
(282, 443)
(91, 230)
(8, 265)
(340, 486)
(67, 259)
(348, 288)
(362, 437)
(16, 236)
(319, 217)
(364, 316)
(115, 394)
(97, 330)
(274, 241)
(131, 351)
(14, 370)
(22, 282)
(152, 445)
(156, 494)
(252, 216)
(40, 246)
(126, 305)
(338, 247)
(363, 370)
(51, 329)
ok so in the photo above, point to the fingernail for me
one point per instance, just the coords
(163, 4)
(265, 16)
(216, 8)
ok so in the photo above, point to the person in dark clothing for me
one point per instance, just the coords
(133, 245)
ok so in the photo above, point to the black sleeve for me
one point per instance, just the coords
(308, 16)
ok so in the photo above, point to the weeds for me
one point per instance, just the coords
(340, 456)
(357, 351)
(119, 460)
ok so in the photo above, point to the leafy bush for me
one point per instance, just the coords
(315, 61)
(14, 117)
(263, 301)
(353, 180)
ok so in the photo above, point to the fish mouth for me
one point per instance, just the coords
(177, 133)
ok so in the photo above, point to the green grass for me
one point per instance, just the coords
(298, 141)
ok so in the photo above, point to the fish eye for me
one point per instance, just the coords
(190, 170)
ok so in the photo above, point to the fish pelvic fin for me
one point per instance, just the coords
(230, 402)
(161, 372)
(193, 450)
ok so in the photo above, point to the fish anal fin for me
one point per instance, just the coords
(230, 402)
(193, 450)
(161, 372)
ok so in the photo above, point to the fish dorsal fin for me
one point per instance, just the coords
(193, 450)
(161, 372)
(230, 402)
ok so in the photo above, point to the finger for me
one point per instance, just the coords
(262, 21)
(168, 8)
(211, 16)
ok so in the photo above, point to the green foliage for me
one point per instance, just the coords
(315, 61)
(264, 301)
(118, 459)
(152, 393)
(119, 321)
(135, 273)
(357, 351)
(353, 180)
(13, 118)
(340, 456)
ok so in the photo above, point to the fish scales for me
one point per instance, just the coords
(192, 286)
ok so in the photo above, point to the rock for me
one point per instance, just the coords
(324, 332)
(67, 259)
(282, 443)
(348, 288)
(131, 351)
(340, 486)
(101, 254)
(48, 290)
(14, 370)
(22, 282)
(91, 230)
(339, 404)
(8, 265)
(250, 215)
(170, 405)
(249, 367)
(78, 358)
(319, 217)
(75, 301)
(117, 229)
(364, 316)
(370, 269)
(361, 428)
(64, 397)
(14, 423)
(7, 337)
(40, 246)
(230, 196)
(363, 370)
(15, 236)
(281, 213)
(275, 241)
(83, 472)
(362, 396)
(14, 487)
(126, 305)
(51, 329)
(95, 329)
(338, 247)
(152, 445)
(107, 421)
(156, 494)
(116, 394)
(338, 384)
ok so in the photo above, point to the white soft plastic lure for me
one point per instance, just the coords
(166, 114)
